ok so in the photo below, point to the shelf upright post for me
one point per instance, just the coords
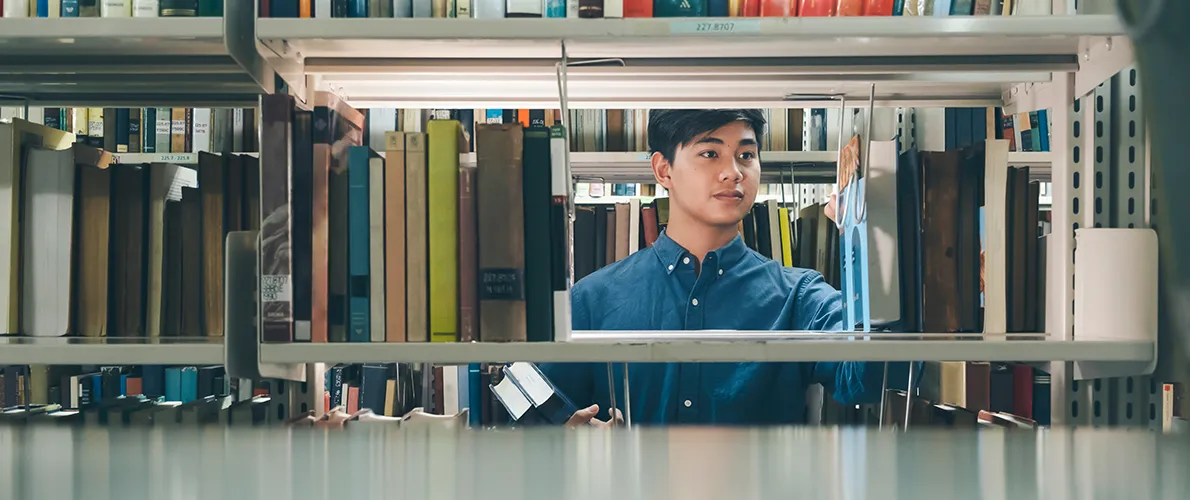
(1069, 142)
(242, 315)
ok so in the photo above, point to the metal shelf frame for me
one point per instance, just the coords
(659, 62)
(110, 351)
(158, 61)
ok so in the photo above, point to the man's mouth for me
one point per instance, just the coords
(730, 195)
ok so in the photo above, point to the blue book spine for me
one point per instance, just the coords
(43, 8)
(357, 8)
(284, 8)
(941, 8)
(148, 130)
(475, 399)
(555, 8)
(403, 8)
(494, 116)
(358, 310)
(153, 380)
(962, 7)
(70, 8)
(899, 7)
(123, 385)
(189, 382)
(1043, 129)
(173, 384)
(718, 8)
(372, 389)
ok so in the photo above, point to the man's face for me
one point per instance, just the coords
(714, 177)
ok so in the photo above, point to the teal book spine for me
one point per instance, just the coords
(359, 313)
(189, 384)
(680, 8)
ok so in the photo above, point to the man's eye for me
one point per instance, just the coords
(709, 154)
(748, 155)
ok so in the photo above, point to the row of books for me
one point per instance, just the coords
(82, 387)
(112, 8)
(156, 130)
(483, 9)
(118, 250)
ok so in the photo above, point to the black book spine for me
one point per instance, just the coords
(537, 199)
(584, 242)
(178, 8)
(302, 206)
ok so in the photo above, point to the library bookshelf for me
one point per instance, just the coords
(1021, 63)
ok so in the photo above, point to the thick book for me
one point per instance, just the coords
(319, 221)
(210, 184)
(499, 155)
(165, 186)
(92, 232)
(129, 224)
(442, 193)
(538, 233)
(940, 245)
(302, 207)
(546, 404)
(359, 249)
(276, 281)
(48, 223)
(376, 261)
(191, 312)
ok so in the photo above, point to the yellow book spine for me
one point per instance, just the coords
(443, 197)
(786, 241)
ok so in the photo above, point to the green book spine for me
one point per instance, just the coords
(210, 8)
(539, 237)
(442, 181)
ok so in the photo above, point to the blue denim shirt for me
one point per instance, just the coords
(657, 288)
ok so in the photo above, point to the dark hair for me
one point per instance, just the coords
(670, 128)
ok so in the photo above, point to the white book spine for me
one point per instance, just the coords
(525, 7)
(55, 8)
(463, 8)
(613, 8)
(79, 121)
(36, 115)
(144, 8)
(95, 122)
(163, 130)
(202, 130)
(633, 225)
(572, 9)
(237, 130)
(115, 8)
(16, 8)
(322, 9)
(48, 213)
(560, 190)
(376, 253)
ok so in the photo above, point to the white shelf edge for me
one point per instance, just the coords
(112, 354)
(177, 158)
(722, 351)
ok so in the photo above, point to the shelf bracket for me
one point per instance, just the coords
(241, 309)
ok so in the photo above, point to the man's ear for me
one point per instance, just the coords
(661, 168)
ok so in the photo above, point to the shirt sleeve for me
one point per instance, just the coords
(849, 382)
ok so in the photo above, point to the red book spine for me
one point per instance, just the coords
(851, 7)
(1022, 390)
(648, 219)
(638, 8)
(816, 8)
(777, 8)
(879, 8)
(750, 8)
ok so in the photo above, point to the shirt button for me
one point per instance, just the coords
(685, 260)
(695, 302)
(720, 272)
(671, 267)
(688, 403)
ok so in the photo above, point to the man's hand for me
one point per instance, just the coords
(586, 416)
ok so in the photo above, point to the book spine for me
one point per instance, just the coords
(302, 207)
(134, 132)
(482, 9)
(468, 258)
(276, 272)
(121, 130)
(359, 314)
(644, 8)
(442, 194)
(463, 8)
(376, 255)
(404, 8)
(140, 8)
(115, 8)
(210, 8)
(320, 219)
(501, 231)
(394, 237)
(148, 128)
(614, 8)
(357, 8)
(164, 130)
(539, 233)
(560, 225)
(416, 258)
(201, 138)
(70, 8)
(425, 8)
(16, 8)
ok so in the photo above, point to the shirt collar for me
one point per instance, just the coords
(669, 252)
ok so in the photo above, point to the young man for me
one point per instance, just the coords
(699, 275)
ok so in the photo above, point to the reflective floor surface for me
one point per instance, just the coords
(372, 461)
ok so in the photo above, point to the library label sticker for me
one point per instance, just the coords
(698, 27)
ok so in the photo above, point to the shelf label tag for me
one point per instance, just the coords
(699, 27)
